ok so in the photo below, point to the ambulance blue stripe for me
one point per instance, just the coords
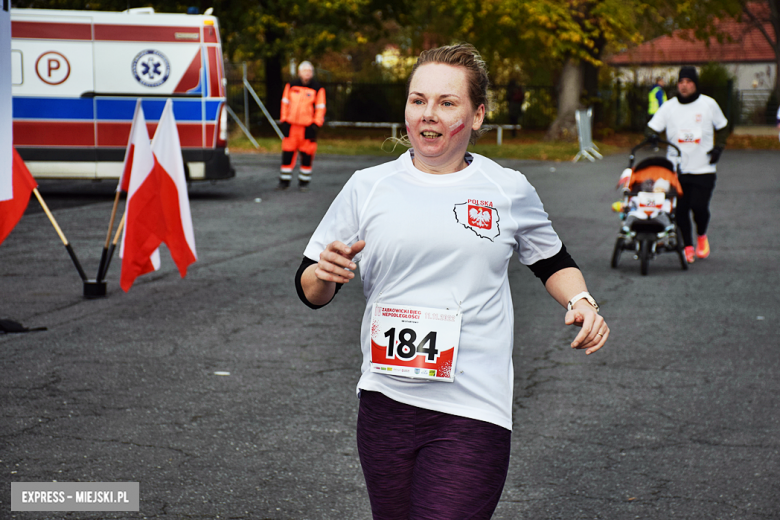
(53, 108)
(212, 109)
(111, 109)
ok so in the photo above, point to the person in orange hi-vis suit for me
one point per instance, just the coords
(303, 113)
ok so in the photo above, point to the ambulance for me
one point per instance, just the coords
(76, 76)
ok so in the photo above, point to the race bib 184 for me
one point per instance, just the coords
(415, 342)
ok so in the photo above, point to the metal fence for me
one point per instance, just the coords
(756, 107)
(621, 107)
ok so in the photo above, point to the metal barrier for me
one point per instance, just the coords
(587, 148)
(349, 124)
(395, 126)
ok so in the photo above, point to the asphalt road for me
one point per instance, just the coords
(677, 417)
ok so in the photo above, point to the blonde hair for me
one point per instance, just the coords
(466, 56)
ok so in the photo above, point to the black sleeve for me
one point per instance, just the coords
(650, 133)
(306, 262)
(721, 136)
(544, 269)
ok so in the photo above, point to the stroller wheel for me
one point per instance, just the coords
(644, 256)
(617, 251)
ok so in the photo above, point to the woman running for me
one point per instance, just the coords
(433, 233)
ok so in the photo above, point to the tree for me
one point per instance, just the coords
(276, 30)
(763, 16)
(584, 29)
(567, 35)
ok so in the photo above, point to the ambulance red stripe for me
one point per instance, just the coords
(106, 32)
(148, 33)
(116, 134)
(210, 34)
(55, 133)
(51, 31)
(191, 76)
(214, 89)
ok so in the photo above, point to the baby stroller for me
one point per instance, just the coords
(647, 211)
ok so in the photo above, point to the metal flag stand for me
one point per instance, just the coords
(585, 134)
(245, 125)
(92, 288)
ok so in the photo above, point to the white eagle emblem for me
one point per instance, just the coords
(481, 219)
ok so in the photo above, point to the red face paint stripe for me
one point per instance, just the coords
(51, 31)
(457, 130)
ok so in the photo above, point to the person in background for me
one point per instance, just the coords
(303, 113)
(435, 414)
(656, 98)
(695, 123)
(778, 120)
(514, 99)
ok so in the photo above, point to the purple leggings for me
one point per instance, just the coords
(420, 464)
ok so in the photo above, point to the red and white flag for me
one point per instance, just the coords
(158, 208)
(139, 125)
(138, 144)
(23, 184)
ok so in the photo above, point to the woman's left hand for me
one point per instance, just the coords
(594, 331)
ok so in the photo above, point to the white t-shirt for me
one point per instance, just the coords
(443, 241)
(778, 119)
(690, 127)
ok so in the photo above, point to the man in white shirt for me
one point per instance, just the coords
(695, 124)
(778, 119)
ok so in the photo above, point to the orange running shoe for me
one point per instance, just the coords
(703, 247)
(690, 256)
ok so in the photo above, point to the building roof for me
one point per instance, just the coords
(681, 47)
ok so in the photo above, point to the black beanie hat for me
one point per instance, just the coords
(690, 73)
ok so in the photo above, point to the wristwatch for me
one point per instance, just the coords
(583, 295)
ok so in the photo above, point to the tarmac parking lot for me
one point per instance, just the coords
(678, 417)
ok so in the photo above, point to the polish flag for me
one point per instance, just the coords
(138, 143)
(158, 209)
(11, 210)
(138, 121)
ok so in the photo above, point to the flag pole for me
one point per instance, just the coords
(110, 254)
(62, 235)
(104, 255)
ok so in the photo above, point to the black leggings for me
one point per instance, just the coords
(697, 192)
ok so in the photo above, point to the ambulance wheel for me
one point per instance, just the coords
(617, 251)
(644, 256)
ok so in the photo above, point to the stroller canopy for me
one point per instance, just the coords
(652, 169)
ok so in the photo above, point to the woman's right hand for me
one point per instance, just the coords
(336, 263)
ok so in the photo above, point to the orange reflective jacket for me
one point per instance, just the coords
(303, 104)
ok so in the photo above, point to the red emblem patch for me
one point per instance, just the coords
(480, 217)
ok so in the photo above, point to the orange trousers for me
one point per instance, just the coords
(298, 140)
